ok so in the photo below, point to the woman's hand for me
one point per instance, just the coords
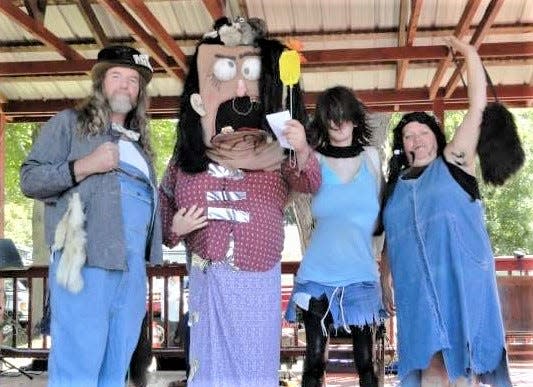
(187, 220)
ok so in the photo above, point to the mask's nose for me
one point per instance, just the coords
(241, 88)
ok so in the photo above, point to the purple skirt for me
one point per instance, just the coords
(235, 319)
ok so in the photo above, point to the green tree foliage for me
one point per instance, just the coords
(163, 137)
(18, 208)
(509, 208)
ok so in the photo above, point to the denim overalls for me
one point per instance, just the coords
(95, 331)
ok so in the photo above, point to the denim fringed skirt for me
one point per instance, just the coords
(356, 304)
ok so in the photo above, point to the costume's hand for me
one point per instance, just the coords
(103, 159)
(187, 220)
(388, 297)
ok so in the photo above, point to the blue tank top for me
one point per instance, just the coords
(340, 250)
(443, 275)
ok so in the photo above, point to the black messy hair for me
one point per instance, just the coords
(190, 149)
(338, 104)
(499, 148)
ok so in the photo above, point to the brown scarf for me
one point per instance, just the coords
(249, 148)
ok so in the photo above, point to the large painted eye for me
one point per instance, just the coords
(224, 69)
(251, 68)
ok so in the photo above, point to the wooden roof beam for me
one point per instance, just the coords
(462, 27)
(140, 35)
(38, 30)
(159, 32)
(321, 58)
(92, 22)
(401, 70)
(482, 29)
(515, 94)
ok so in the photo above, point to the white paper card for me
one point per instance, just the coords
(277, 123)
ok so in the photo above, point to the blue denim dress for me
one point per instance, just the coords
(444, 280)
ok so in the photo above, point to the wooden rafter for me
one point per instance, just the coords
(140, 35)
(38, 30)
(462, 27)
(378, 100)
(318, 58)
(159, 32)
(482, 29)
(92, 22)
(215, 8)
(416, 6)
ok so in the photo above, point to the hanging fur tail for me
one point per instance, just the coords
(70, 237)
(499, 148)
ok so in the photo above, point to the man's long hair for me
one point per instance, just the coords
(94, 113)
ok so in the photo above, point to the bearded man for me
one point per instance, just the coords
(92, 167)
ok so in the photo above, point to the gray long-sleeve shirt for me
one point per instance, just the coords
(45, 176)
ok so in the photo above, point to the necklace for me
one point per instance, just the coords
(339, 152)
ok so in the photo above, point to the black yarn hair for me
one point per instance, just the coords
(338, 104)
(398, 161)
(499, 148)
(190, 150)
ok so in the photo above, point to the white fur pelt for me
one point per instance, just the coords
(70, 237)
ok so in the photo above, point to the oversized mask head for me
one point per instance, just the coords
(228, 89)
(232, 84)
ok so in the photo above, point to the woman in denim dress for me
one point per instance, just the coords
(450, 329)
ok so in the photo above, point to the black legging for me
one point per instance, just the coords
(316, 356)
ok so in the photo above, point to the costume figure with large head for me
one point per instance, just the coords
(233, 82)
(224, 193)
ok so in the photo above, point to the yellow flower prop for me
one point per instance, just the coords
(289, 67)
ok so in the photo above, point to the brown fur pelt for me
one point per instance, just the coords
(142, 357)
(499, 148)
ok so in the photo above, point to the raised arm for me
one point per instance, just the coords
(461, 150)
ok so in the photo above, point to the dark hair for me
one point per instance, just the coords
(338, 104)
(190, 149)
(398, 161)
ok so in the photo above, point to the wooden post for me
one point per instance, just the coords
(438, 109)
(2, 204)
(2, 170)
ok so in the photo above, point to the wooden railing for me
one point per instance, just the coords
(516, 272)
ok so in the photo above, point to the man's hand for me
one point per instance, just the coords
(187, 220)
(103, 159)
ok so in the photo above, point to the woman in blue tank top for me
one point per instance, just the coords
(338, 282)
(448, 314)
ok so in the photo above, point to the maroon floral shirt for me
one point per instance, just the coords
(258, 241)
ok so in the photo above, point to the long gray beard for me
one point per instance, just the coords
(120, 103)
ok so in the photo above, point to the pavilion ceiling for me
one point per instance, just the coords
(389, 51)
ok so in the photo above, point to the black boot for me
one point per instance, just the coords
(316, 356)
(362, 354)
